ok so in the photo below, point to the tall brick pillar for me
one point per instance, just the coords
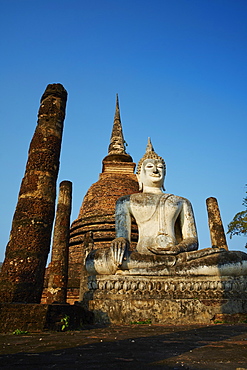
(58, 268)
(23, 269)
(217, 234)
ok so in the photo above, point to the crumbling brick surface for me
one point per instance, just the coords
(58, 276)
(23, 269)
(217, 234)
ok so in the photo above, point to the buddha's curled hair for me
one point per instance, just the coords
(150, 154)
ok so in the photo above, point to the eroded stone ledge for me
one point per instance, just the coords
(123, 299)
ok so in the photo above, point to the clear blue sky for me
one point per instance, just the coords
(179, 67)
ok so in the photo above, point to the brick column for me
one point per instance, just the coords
(217, 234)
(58, 268)
(26, 253)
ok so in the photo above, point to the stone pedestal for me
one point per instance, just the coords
(41, 317)
(175, 300)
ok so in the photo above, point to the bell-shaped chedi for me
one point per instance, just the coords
(97, 214)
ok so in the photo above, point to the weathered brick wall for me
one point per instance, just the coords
(23, 269)
(58, 268)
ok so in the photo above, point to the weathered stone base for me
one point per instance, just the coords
(123, 299)
(39, 317)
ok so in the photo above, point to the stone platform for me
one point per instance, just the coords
(120, 299)
(40, 317)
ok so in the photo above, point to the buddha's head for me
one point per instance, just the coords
(151, 170)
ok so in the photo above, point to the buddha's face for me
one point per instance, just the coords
(152, 173)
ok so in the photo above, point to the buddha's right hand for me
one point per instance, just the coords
(118, 247)
(170, 249)
(165, 244)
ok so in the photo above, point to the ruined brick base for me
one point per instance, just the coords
(39, 317)
(161, 300)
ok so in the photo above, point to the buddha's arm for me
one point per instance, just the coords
(123, 229)
(123, 218)
(188, 227)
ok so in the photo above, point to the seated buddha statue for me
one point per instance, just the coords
(168, 242)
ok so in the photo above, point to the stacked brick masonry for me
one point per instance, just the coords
(58, 269)
(23, 269)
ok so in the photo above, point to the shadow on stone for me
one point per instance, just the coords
(41, 317)
(134, 347)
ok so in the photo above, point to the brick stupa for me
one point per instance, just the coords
(96, 218)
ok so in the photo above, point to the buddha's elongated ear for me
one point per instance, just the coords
(140, 186)
(163, 188)
(139, 182)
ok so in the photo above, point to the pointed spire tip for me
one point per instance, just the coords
(116, 149)
(150, 147)
(117, 139)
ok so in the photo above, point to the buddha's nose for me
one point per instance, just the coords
(156, 170)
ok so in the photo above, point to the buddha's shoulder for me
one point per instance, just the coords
(140, 197)
(150, 197)
(153, 195)
(177, 198)
(123, 199)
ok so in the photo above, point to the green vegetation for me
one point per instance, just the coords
(19, 332)
(238, 226)
(65, 322)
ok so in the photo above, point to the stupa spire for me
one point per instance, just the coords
(117, 110)
(117, 140)
(116, 149)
